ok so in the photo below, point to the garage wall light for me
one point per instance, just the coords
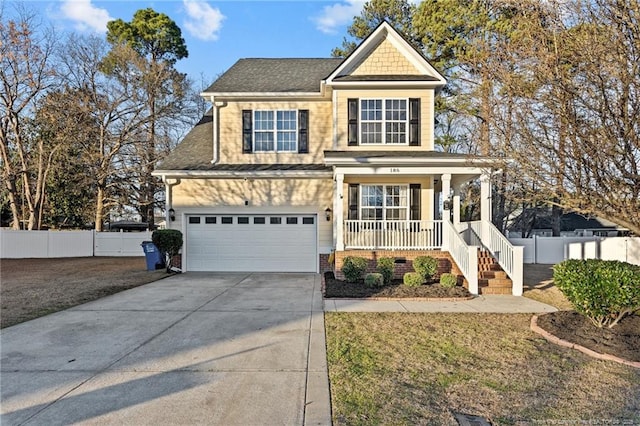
(172, 215)
(327, 214)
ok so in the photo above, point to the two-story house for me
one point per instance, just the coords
(301, 157)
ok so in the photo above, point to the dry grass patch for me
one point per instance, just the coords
(398, 368)
(538, 285)
(32, 288)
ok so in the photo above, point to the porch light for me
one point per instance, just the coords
(327, 214)
(172, 215)
(447, 204)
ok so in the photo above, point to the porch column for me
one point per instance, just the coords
(446, 189)
(338, 213)
(485, 197)
(456, 207)
(485, 207)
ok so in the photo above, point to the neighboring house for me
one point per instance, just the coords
(539, 223)
(301, 157)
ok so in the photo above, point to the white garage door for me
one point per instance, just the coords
(267, 243)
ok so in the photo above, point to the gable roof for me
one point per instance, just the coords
(274, 75)
(386, 32)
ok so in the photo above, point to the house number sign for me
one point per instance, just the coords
(394, 170)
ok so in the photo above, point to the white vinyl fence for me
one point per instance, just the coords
(552, 250)
(40, 244)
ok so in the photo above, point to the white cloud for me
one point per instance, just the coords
(203, 22)
(337, 15)
(86, 16)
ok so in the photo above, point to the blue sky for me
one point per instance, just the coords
(218, 33)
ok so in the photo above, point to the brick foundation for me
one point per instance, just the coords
(323, 260)
(446, 263)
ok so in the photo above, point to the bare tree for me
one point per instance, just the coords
(576, 98)
(26, 73)
(102, 115)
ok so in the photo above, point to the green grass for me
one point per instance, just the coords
(405, 369)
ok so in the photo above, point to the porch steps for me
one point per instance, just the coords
(491, 278)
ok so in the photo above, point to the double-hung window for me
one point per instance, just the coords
(384, 121)
(384, 202)
(275, 131)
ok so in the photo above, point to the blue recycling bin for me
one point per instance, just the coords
(153, 255)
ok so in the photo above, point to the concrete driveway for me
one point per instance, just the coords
(197, 348)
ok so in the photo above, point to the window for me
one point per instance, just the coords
(227, 220)
(275, 131)
(292, 221)
(258, 221)
(243, 220)
(194, 219)
(383, 121)
(384, 202)
(307, 221)
(210, 219)
(275, 220)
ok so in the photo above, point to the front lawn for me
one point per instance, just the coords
(398, 368)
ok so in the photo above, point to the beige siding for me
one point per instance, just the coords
(230, 136)
(385, 59)
(426, 118)
(264, 196)
(426, 196)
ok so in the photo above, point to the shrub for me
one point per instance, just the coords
(605, 291)
(169, 242)
(374, 280)
(426, 266)
(448, 280)
(353, 267)
(386, 266)
(412, 279)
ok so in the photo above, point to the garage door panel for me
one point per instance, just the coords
(270, 243)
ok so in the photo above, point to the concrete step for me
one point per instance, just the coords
(494, 290)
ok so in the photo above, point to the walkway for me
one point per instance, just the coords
(487, 304)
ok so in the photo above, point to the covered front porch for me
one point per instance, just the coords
(403, 202)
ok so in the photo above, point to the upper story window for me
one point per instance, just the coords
(383, 121)
(275, 131)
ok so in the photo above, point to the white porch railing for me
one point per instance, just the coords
(393, 234)
(465, 256)
(509, 257)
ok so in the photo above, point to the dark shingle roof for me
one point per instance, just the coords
(268, 167)
(275, 75)
(195, 152)
(396, 154)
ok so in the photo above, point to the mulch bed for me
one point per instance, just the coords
(341, 289)
(623, 340)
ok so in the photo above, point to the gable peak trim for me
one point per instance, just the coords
(385, 31)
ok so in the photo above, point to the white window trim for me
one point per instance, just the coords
(383, 121)
(384, 200)
(274, 131)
